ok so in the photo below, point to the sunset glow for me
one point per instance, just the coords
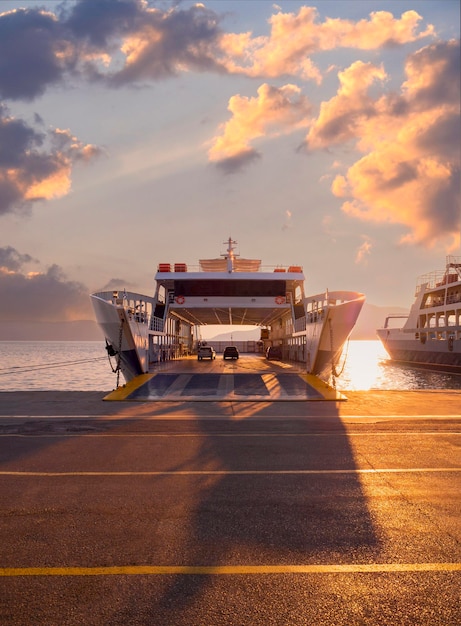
(326, 135)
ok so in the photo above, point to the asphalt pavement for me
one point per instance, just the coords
(230, 513)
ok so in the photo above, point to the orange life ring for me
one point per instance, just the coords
(279, 300)
(180, 299)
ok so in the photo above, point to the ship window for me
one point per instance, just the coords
(232, 288)
(453, 297)
(434, 299)
(299, 311)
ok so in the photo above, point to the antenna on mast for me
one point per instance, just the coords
(230, 256)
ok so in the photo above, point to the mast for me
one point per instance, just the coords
(230, 256)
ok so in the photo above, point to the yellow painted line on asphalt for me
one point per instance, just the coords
(229, 418)
(345, 435)
(200, 570)
(411, 470)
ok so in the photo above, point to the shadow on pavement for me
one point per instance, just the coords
(273, 517)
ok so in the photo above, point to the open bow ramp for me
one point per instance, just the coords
(254, 387)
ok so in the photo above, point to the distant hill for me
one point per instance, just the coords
(371, 318)
(238, 335)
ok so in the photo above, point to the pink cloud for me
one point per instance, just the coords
(273, 112)
(36, 165)
(410, 171)
(363, 252)
(294, 37)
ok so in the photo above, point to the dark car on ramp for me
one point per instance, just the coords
(230, 352)
(274, 352)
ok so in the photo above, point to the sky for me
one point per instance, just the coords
(134, 132)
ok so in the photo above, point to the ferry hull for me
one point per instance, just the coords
(128, 346)
(326, 338)
(444, 356)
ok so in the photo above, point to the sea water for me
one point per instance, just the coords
(55, 365)
(85, 366)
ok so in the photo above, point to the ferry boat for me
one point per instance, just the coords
(141, 331)
(430, 337)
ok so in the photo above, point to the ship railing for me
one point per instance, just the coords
(170, 268)
(138, 306)
(330, 299)
(452, 298)
(394, 317)
(299, 325)
(156, 324)
(430, 280)
(441, 278)
(454, 261)
(125, 298)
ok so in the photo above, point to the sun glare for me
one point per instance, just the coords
(362, 370)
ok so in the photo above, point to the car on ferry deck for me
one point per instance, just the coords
(230, 352)
(206, 352)
(273, 352)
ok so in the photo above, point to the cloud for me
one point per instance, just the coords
(363, 252)
(34, 44)
(274, 111)
(128, 42)
(287, 222)
(381, 30)
(341, 118)
(410, 171)
(433, 75)
(328, 227)
(117, 283)
(43, 296)
(112, 41)
(34, 164)
(11, 260)
(238, 161)
(121, 42)
(295, 37)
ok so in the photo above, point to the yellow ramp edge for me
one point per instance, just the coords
(328, 392)
(122, 393)
(325, 391)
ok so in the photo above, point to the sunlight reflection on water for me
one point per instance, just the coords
(368, 366)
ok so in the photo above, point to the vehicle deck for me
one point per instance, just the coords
(251, 377)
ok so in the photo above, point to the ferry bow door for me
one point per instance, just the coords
(133, 343)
